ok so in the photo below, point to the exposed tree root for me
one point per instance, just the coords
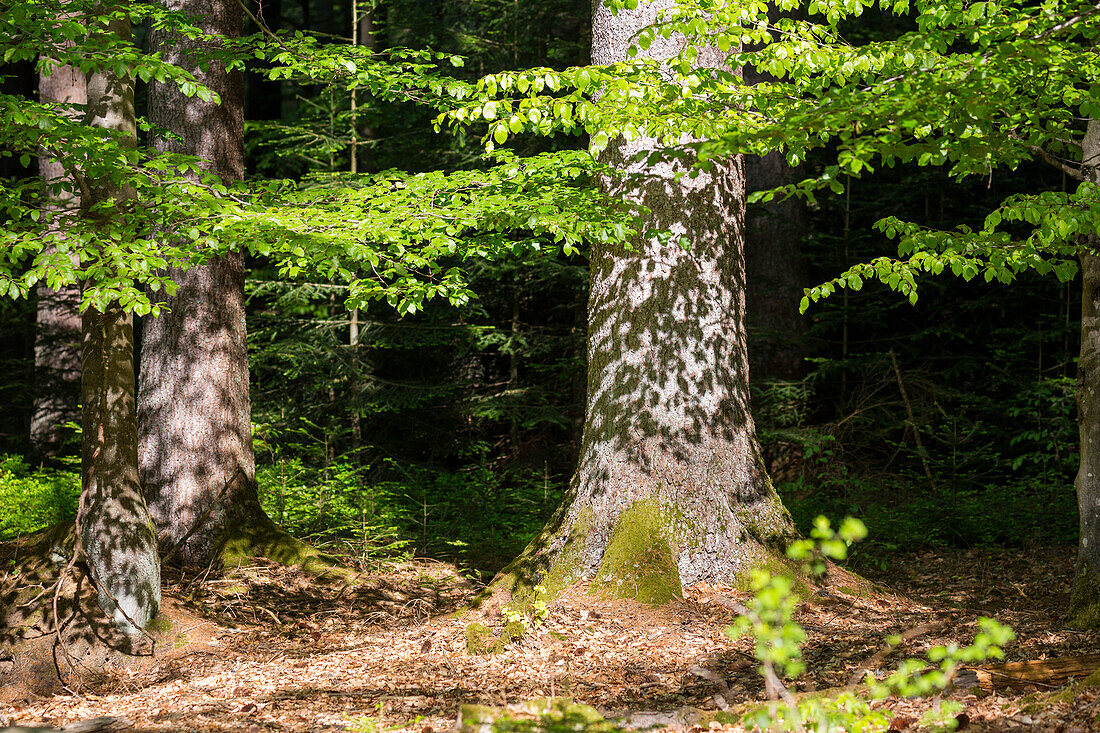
(259, 537)
(54, 635)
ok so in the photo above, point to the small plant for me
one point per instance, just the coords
(769, 616)
(375, 723)
(778, 645)
(530, 617)
(915, 677)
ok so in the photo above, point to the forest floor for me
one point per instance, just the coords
(277, 650)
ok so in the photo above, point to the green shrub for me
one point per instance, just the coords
(333, 506)
(32, 499)
(769, 621)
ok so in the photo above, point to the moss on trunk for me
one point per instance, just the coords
(640, 561)
(1084, 608)
(259, 537)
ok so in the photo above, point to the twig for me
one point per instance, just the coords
(1072, 171)
(912, 422)
(856, 677)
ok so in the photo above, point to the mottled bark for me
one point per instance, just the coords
(57, 327)
(116, 532)
(670, 488)
(775, 273)
(194, 414)
(1085, 601)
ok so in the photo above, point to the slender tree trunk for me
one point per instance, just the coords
(57, 328)
(1085, 601)
(194, 415)
(116, 532)
(775, 272)
(670, 489)
(776, 275)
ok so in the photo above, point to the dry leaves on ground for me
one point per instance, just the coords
(283, 651)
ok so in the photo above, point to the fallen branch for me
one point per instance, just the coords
(1041, 673)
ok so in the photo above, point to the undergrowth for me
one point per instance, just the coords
(32, 498)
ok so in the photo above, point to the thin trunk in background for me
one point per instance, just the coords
(1085, 601)
(775, 274)
(57, 322)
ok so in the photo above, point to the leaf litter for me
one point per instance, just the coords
(280, 650)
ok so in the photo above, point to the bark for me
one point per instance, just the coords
(194, 415)
(776, 274)
(670, 489)
(1085, 601)
(115, 530)
(57, 328)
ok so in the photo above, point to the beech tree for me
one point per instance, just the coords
(1085, 600)
(868, 105)
(114, 530)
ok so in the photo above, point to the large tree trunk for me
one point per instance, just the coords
(116, 532)
(1085, 601)
(670, 489)
(194, 413)
(57, 330)
(197, 465)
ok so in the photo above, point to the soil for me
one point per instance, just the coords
(275, 649)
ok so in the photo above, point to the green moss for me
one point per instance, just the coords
(566, 568)
(179, 641)
(480, 639)
(556, 714)
(474, 718)
(1062, 696)
(515, 584)
(1035, 703)
(1084, 604)
(513, 631)
(1093, 680)
(721, 717)
(263, 538)
(160, 624)
(776, 565)
(639, 561)
(773, 530)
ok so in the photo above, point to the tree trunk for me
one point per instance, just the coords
(116, 532)
(1085, 602)
(197, 465)
(776, 275)
(57, 328)
(670, 489)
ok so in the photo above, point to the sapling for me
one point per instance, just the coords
(768, 618)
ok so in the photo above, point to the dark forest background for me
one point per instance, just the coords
(454, 433)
